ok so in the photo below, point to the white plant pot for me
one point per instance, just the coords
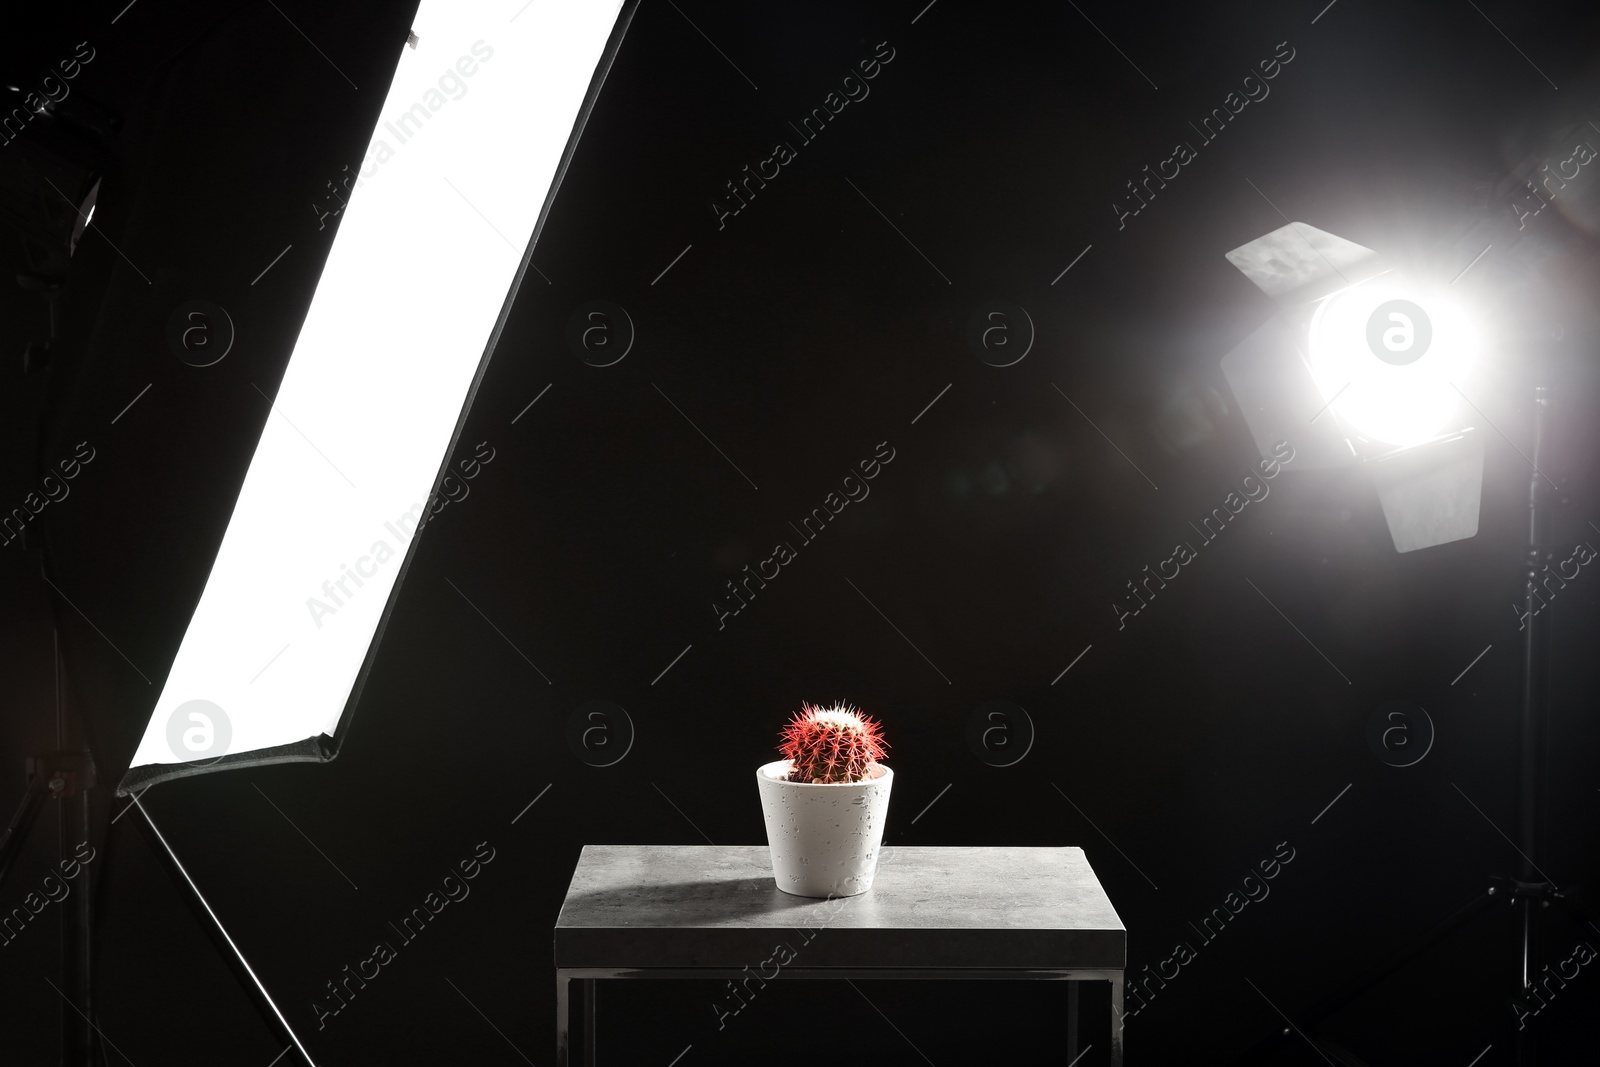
(824, 838)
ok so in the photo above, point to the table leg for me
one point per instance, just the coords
(1116, 1020)
(563, 1019)
(588, 1022)
(1072, 1021)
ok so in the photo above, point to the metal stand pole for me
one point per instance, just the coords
(77, 1029)
(66, 778)
(1535, 657)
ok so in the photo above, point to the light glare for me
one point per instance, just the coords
(1385, 353)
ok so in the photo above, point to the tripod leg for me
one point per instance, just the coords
(225, 943)
(17, 832)
(77, 1030)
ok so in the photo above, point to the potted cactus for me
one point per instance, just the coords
(825, 802)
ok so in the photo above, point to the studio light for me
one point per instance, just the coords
(1384, 355)
(1369, 368)
(435, 232)
(1362, 365)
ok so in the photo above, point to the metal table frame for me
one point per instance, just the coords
(587, 977)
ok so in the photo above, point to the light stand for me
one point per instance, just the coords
(1530, 891)
(381, 276)
(1425, 501)
(65, 777)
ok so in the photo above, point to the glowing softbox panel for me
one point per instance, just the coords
(484, 111)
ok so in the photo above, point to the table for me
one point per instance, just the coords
(714, 911)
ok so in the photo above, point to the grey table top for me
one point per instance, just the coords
(931, 906)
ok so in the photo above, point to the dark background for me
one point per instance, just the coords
(797, 338)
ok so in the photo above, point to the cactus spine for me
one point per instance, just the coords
(832, 744)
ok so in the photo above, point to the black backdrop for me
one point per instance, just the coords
(818, 322)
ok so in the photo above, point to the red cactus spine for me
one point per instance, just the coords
(833, 744)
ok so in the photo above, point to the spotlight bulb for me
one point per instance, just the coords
(1384, 355)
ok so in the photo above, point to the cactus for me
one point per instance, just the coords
(833, 744)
